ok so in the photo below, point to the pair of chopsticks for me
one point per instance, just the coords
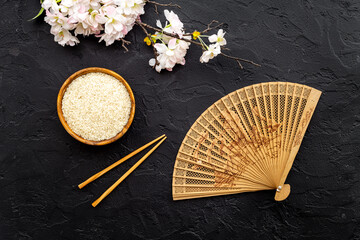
(99, 174)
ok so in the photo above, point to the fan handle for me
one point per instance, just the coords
(282, 192)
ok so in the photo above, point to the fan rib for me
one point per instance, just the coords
(266, 142)
(290, 132)
(311, 103)
(265, 89)
(254, 129)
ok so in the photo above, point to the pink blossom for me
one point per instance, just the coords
(169, 55)
(176, 24)
(110, 20)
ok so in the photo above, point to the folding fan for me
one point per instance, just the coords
(246, 141)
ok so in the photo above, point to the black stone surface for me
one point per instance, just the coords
(310, 42)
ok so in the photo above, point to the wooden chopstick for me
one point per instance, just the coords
(110, 189)
(99, 174)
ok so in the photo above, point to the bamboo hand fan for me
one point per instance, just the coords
(246, 141)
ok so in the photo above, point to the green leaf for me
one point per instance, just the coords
(40, 12)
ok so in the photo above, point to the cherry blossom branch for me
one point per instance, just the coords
(237, 59)
(100, 22)
(156, 4)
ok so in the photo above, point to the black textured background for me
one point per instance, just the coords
(314, 42)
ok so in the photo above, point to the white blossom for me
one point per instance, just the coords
(218, 38)
(212, 51)
(130, 7)
(169, 54)
(48, 4)
(64, 37)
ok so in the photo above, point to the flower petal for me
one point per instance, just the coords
(152, 62)
(158, 68)
(170, 52)
(172, 43)
(213, 38)
(158, 24)
(221, 33)
(160, 47)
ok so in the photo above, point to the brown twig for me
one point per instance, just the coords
(237, 59)
(240, 65)
(208, 28)
(123, 42)
(152, 42)
(240, 59)
(156, 4)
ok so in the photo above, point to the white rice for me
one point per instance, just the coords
(96, 106)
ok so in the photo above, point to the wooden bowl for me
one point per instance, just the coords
(61, 95)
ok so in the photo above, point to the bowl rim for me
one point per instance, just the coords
(63, 90)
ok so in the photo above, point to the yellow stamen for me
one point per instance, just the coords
(147, 41)
(153, 38)
(195, 34)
